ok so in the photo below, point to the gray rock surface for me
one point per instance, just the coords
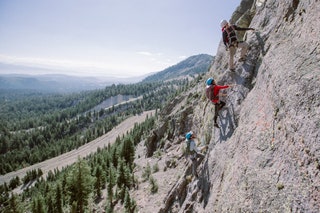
(266, 155)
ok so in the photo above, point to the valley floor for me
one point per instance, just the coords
(71, 157)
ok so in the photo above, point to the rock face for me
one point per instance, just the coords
(266, 155)
(271, 161)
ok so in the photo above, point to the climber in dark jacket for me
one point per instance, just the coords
(231, 42)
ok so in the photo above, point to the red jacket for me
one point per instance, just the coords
(216, 90)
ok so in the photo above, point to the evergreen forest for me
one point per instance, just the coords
(35, 127)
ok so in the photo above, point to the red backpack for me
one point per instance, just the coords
(209, 92)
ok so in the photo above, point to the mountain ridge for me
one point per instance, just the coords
(193, 65)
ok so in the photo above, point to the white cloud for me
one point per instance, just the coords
(127, 65)
(145, 53)
(182, 57)
(65, 66)
(48, 63)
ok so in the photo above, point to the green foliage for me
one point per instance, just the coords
(14, 204)
(109, 208)
(14, 182)
(157, 153)
(146, 173)
(153, 185)
(37, 127)
(38, 205)
(129, 203)
(128, 150)
(79, 183)
(99, 181)
(155, 168)
(32, 175)
(58, 199)
(124, 177)
(74, 187)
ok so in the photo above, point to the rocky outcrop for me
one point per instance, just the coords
(266, 155)
(271, 161)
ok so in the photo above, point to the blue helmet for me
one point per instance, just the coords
(209, 81)
(189, 135)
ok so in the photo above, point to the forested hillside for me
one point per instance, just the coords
(35, 126)
(54, 83)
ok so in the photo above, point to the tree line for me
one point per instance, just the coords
(76, 186)
(110, 169)
(41, 136)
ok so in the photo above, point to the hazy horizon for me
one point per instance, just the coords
(108, 38)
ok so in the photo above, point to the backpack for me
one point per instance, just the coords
(188, 152)
(209, 92)
(231, 35)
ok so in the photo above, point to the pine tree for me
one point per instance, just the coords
(127, 201)
(64, 188)
(128, 151)
(124, 178)
(58, 199)
(109, 208)
(111, 183)
(80, 185)
(74, 208)
(99, 181)
(114, 156)
(50, 204)
(38, 205)
(14, 205)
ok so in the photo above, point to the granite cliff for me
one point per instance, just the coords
(266, 155)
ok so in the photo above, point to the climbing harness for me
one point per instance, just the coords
(231, 36)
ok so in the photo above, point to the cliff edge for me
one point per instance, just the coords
(266, 155)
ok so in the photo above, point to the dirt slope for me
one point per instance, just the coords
(72, 156)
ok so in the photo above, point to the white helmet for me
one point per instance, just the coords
(223, 23)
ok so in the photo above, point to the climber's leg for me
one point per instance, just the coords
(244, 48)
(232, 52)
(216, 110)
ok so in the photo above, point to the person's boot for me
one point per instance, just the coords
(221, 105)
(215, 122)
(242, 59)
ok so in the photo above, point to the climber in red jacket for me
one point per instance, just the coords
(212, 93)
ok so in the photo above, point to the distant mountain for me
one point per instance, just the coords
(20, 77)
(65, 83)
(58, 83)
(193, 65)
(47, 83)
(52, 83)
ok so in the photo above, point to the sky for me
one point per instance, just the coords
(120, 38)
